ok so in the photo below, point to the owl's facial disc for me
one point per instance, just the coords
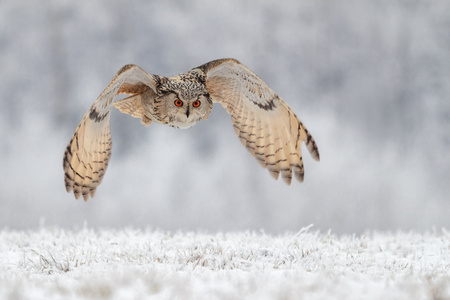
(185, 101)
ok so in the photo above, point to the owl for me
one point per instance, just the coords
(264, 123)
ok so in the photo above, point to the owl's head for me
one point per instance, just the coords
(182, 102)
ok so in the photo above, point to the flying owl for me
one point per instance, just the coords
(264, 123)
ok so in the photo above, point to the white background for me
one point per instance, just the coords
(370, 80)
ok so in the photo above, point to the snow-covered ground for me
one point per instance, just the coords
(52, 263)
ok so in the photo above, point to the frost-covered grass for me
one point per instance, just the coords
(52, 263)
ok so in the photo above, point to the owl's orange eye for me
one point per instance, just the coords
(178, 102)
(196, 103)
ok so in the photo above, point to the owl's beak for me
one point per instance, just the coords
(187, 111)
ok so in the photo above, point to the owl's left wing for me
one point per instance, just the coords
(87, 155)
(265, 124)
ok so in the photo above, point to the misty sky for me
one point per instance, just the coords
(370, 80)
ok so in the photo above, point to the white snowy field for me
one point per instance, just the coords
(53, 263)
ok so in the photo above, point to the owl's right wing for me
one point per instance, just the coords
(87, 155)
(265, 124)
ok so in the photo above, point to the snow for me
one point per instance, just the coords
(55, 263)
